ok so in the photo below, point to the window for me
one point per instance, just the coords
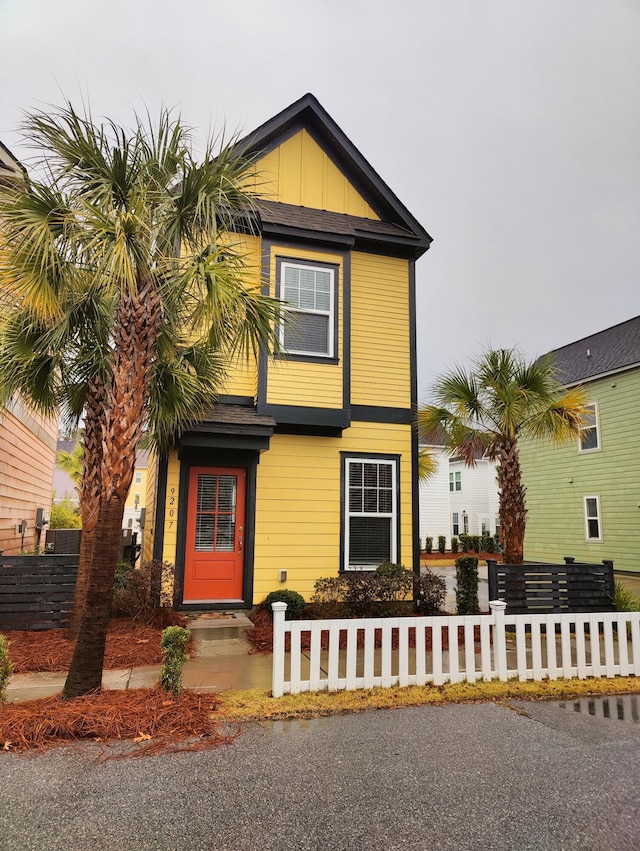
(589, 437)
(455, 524)
(465, 522)
(592, 518)
(309, 293)
(371, 512)
(455, 482)
(138, 478)
(136, 500)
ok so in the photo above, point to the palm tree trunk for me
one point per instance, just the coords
(85, 673)
(90, 492)
(513, 512)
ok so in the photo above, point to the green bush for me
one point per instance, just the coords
(430, 591)
(64, 515)
(467, 585)
(428, 544)
(475, 543)
(136, 591)
(295, 603)
(123, 569)
(454, 545)
(625, 600)
(174, 654)
(490, 545)
(6, 667)
(364, 593)
(442, 543)
(466, 543)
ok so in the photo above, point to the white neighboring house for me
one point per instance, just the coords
(458, 499)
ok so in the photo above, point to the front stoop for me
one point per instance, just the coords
(219, 626)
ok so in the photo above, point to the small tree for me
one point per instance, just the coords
(65, 515)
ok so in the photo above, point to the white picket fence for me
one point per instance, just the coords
(493, 646)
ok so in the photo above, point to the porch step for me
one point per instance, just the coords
(218, 626)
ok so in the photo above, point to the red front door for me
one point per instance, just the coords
(214, 556)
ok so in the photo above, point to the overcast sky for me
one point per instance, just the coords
(509, 128)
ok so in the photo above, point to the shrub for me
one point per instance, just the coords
(394, 584)
(174, 646)
(454, 545)
(64, 515)
(428, 544)
(364, 593)
(6, 667)
(430, 591)
(464, 540)
(490, 545)
(442, 543)
(295, 603)
(625, 600)
(467, 585)
(475, 543)
(136, 591)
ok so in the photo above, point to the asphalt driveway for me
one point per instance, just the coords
(456, 777)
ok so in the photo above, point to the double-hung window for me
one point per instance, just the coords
(593, 526)
(589, 439)
(455, 523)
(309, 292)
(371, 512)
(455, 481)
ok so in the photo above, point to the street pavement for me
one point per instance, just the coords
(453, 777)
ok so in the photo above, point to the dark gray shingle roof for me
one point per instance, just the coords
(607, 351)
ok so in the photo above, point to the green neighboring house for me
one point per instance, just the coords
(583, 498)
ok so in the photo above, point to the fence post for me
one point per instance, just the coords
(277, 677)
(499, 639)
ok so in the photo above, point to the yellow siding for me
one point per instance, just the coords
(171, 510)
(149, 532)
(299, 172)
(380, 327)
(298, 503)
(291, 382)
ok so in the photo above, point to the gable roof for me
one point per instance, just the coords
(608, 351)
(9, 165)
(308, 114)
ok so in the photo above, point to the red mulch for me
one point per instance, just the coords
(261, 636)
(129, 644)
(436, 556)
(153, 720)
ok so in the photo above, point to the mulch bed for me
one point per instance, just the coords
(261, 636)
(436, 556)
(129, 644)
(151, 719)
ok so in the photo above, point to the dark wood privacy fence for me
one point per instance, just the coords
(36, 592)
(541, 588)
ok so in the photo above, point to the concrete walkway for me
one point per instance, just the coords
(218, 666)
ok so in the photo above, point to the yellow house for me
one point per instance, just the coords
(307, 466)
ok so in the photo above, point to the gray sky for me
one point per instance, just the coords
(510, 128)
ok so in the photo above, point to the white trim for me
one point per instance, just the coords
(392, 515)
(596, 425)
(330, 314)
(588, 517)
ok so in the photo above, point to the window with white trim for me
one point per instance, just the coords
(371, 512)
(138, 478)
(455, 523)
(589, 439)
(593, 526)
(309, 292)
(455, 481)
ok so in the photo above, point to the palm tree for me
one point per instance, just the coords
(71, 463)
(128, 298)
(502, 399)
(427, 465)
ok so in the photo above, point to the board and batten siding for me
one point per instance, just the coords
(380, 325)
(559, 478)
(27, 462)
(299, 172)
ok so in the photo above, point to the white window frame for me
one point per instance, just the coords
(455, 481)
(331, 313)
(455, 523)
(392, 515)
(596, 425)
(138, 478)
(588, 517)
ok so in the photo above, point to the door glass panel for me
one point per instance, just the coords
(216, 513)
